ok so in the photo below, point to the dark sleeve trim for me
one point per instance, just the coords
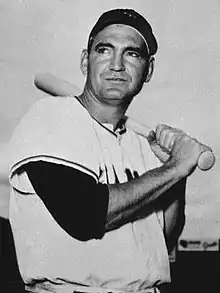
(75, 200)
(44, 158)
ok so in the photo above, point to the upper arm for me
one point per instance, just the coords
(74, 199)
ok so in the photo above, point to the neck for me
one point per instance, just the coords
(103, 113)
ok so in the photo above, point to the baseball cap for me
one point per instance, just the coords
(127, 17)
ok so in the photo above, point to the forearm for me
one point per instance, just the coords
(127, 201)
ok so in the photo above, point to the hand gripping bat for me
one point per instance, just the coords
(58, 87)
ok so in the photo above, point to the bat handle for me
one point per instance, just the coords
(206, 160)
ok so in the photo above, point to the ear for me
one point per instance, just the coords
(150, 69)
(84, 62)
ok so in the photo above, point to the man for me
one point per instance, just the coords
(92, 208)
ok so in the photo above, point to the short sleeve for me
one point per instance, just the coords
(57, 130)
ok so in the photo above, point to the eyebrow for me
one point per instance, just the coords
(134, 48)
(103, 44)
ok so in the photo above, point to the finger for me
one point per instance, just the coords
(165, 136)
(158, 130)
(168, 139)
(160, 153)
(156, 147)
(171, 135)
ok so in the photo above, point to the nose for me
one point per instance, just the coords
(117, 62)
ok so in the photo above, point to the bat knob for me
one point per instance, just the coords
(206, 160)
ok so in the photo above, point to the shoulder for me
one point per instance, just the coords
(54, 128)
(52, 115)
(53, 107)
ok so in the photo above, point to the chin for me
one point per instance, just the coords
(116, 93)
(114, 98)
(117, 99)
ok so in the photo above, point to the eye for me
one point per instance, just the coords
(103, 50)
(133, 54)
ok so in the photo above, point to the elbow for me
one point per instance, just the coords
(86, 232)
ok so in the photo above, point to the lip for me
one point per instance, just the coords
(116, 79)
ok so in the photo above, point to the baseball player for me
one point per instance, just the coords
(95, 207)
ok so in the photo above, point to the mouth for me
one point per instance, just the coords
(116, 79)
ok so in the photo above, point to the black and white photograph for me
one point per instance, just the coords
(109, 146)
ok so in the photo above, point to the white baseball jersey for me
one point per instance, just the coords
(133, 257)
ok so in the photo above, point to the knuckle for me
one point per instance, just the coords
(185, 137)
(161, 127)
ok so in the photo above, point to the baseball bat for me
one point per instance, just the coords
(54, 85)
(58, 87)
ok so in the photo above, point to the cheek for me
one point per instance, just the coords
(95, 77)
(96, 74)
(93, 71)
(137, 75)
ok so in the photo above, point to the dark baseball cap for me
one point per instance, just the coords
(127, 17)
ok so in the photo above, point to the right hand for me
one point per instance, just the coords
(183, 150)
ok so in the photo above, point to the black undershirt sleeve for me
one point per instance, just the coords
(75, 200)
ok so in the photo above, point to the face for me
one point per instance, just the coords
(116, 66)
